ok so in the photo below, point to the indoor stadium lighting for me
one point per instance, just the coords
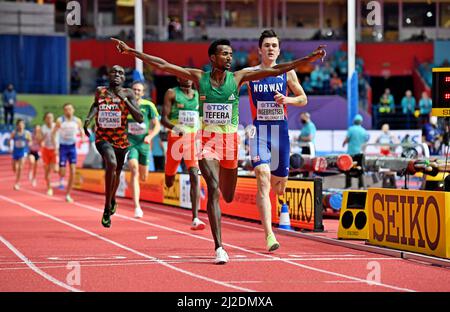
(408, 20)
(429, 14)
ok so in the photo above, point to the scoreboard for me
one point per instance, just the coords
(441, 92)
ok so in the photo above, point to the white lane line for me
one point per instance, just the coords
(239, 248)
(151, 237)
(35, 268)
(123, 246)
(178, 212)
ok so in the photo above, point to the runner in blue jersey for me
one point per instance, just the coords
(21, 139)
(269, 137)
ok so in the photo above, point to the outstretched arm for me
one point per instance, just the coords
(244, 75)
(159, 63)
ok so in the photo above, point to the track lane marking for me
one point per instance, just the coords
(25, 206)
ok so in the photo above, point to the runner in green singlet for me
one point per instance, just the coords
(140, 135)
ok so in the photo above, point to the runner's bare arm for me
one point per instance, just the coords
(181, 72)
(153, 130)
(245, 75)
(169, 97)
(128, 97)
(299, 98)
(92, 112)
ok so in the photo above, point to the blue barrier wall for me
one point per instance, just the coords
(34, 64)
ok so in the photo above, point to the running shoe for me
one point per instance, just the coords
(69, 199)
(33, 183)
(272, 243)
(106, 219)
(16, 186)
(197, 224)
(50, 192)
(114, 205)
(138, 213)
(221, 256)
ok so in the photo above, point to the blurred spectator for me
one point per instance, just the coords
(102, 76)
(203, 30)
(306, 84)
(130, 36)
(308, 132)
(336, 84)
(175, 30)
(75, 81)
(387, 104)
(408, 105)
(431, 135)
(386, 138)
(425, 106)
(362, 90)
(9, 104)
(317, 79)
(326, 77)
(253, 58)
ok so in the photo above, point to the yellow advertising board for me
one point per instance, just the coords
(411, 220)
(299, 197)
(353, 216)
(172, 194)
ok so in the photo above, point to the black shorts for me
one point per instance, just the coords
(35, 154)
(104, 147)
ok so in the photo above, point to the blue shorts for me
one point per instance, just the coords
(67, 153)
(271, 145)
(19, 153)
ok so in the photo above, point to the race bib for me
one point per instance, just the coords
(135, 128)
(188, 118)
(217, 114)
(269, 110)
(109, 119)
(20, 143)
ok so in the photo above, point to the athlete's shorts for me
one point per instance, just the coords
(67, 153)
(220, 146)
(48, 156)
(140, 152)
(270, 145)
(178, 147)
(104, 147)
(19, 154)
(35, 154)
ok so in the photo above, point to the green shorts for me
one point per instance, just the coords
(140, 152)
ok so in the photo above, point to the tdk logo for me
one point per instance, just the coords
(217, 107)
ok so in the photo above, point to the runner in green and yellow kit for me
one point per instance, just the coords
(180, 116)
(219, 113)
(140, 136)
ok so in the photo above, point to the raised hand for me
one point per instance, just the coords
(121, 46)
(318, 53)
(280, 99)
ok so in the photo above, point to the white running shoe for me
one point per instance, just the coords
(33, 183)
(221, 256)
(50, 192)
(138, 213)
(197, 224)
(16, 186)
(69, 199)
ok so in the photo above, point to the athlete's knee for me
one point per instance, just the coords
(228, 196)
(193, 175)
(111, 164)
(143, 176)
(279, 188)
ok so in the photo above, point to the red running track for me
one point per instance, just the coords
(44, 241)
